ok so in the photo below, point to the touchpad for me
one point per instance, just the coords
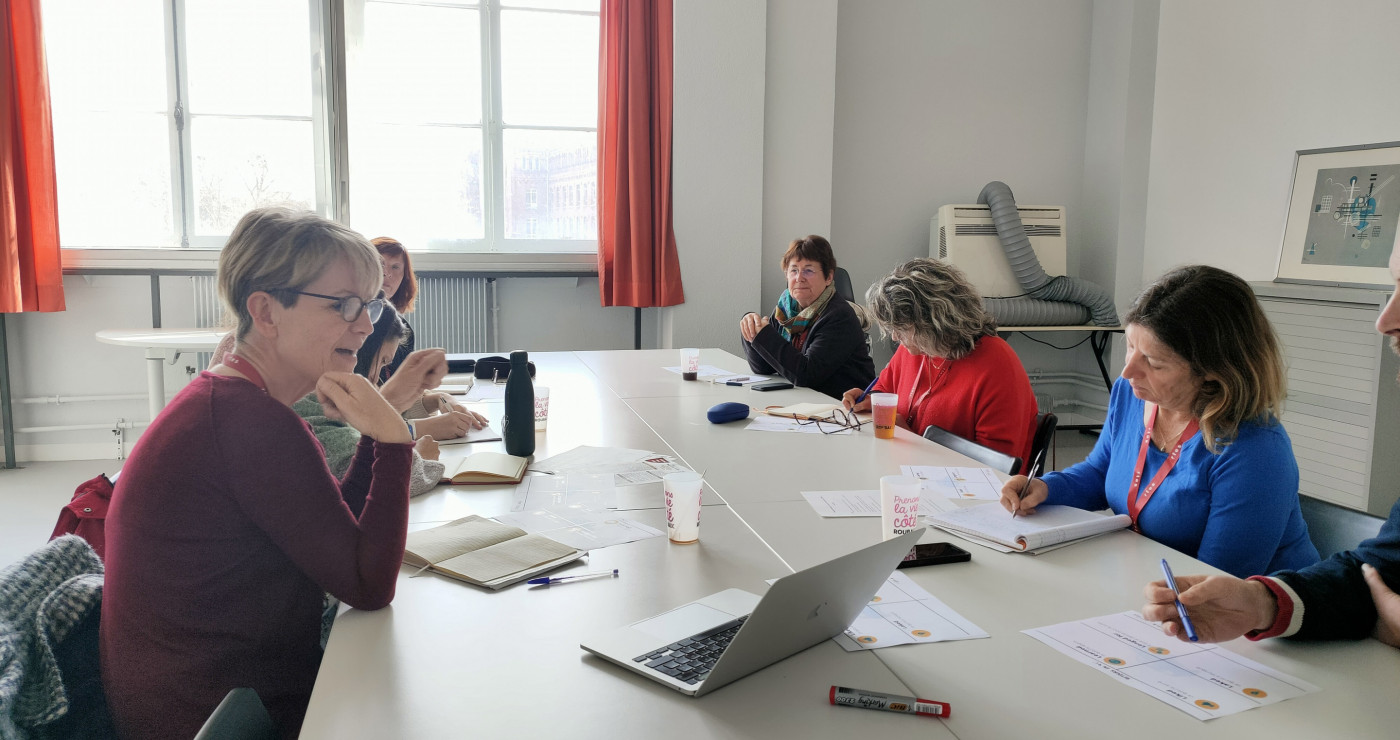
(683, 622)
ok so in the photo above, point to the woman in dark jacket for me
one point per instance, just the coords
(814, 337)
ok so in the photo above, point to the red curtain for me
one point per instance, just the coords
(637, 262)
(31, 269)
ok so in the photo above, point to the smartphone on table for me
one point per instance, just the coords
(772, 385)
(934, 553)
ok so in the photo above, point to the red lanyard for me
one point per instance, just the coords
(1134, 504)
(247, 369)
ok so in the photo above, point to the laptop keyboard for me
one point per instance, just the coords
(691, 659)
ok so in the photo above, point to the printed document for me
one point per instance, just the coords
(901, 613)
(580, 526)
(1204, 681)
(960, 483)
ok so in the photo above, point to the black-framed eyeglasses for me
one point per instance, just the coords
(350, 306)
(833, 423)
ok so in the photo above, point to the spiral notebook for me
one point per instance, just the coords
(1049, 527)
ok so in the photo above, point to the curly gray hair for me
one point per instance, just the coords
(934, 301)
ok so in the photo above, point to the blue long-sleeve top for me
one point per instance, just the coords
(1236, 510)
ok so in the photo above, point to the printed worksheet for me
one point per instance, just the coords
(1204, 681)
(903, 613)
(960, 483)
(580, 526)
(587, 491)
(862, 503)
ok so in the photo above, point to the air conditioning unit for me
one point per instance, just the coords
(965, 236)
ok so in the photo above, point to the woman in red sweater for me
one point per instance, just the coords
(951, 369)
(226, 526)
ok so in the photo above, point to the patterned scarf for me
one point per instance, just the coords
(794, 329)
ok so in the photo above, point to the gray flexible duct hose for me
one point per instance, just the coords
(1051, 301)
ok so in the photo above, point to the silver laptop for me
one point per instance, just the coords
(703, 645)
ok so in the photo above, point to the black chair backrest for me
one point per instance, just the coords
(843, 285)
(240, 716)
(1045, 424)
(985, 455)
(1334, 528)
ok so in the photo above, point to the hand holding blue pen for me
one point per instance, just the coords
(863, 393)
(1181, 610)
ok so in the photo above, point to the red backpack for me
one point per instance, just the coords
(85, 514)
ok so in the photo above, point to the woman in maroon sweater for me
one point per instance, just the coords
(226, 526)
(951, 369)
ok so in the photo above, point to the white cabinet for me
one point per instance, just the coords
(1343, 405)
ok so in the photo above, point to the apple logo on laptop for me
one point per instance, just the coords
(816, 612)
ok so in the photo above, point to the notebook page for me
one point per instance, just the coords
(464, 535)
(506, 558)
(1049, 525)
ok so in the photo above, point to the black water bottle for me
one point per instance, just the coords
(518, 423)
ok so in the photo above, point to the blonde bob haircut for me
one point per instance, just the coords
(934, 301)
(1211, 319)
(280, 250)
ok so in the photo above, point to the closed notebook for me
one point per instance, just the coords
(804, 410)
(1049, 526)
(485, 552)
(484, 468)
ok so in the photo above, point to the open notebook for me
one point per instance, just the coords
(1050, 526)
(484, 552)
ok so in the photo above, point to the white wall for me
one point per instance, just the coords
(798, 120)
(717, 169)
(934, 99)
(1240, 87)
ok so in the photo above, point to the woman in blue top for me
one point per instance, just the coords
(1192, 448)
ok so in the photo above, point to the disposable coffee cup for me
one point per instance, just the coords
(690, 363)
(883, 406)
(682, 506)
(541, 408)
(899, 505)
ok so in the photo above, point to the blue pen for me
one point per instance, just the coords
(563, 579)
(1185, 620)
(866, 392)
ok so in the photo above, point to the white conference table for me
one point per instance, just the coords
(447, 659)
(162, 344)
(387, 672)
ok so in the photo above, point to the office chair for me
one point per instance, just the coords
(1044, 435)
(985, 455)
(240, 716)
(843, 285)
(1334, 528)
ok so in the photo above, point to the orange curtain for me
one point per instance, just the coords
(637, 262)
(31, 270)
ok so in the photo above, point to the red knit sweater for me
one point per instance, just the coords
(224, 530)
(985, 397)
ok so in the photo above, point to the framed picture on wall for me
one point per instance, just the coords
(1343, 215)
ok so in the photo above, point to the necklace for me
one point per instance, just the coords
(1167, 441)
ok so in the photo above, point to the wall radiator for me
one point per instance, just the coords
(455, 313)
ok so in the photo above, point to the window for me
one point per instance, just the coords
(171, 119)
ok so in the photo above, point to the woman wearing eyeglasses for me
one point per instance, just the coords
(951, 369)
(226, 527)
(813, 338)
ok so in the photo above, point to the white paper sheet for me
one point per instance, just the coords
(903, 613)
(591, 492)
(766, 423)
(628, 467)
(957, 483)
(863, 503)
(1204, 681)
(486, 391)
(580, 527)
(484, 434)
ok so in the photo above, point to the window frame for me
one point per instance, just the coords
(329, 118)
